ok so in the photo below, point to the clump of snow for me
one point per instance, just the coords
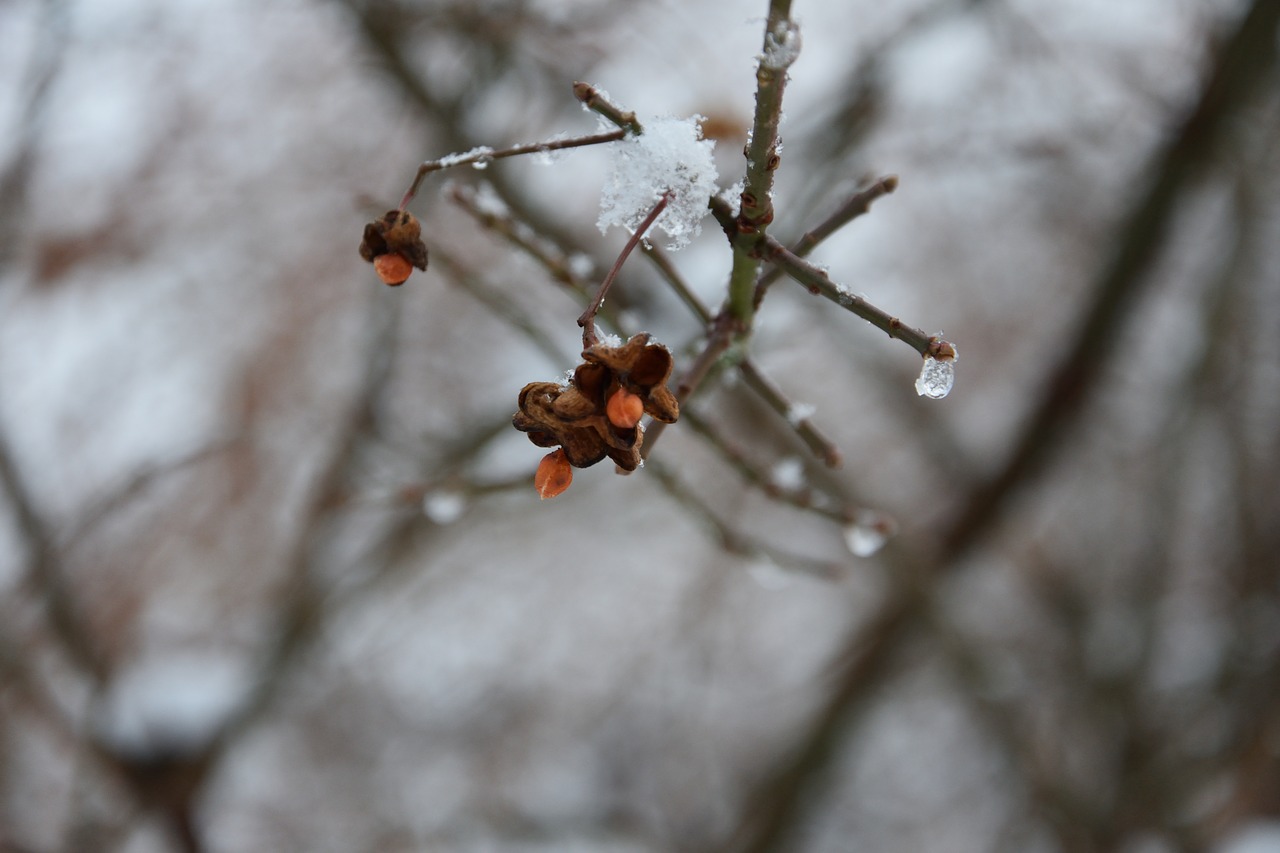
(670, 156)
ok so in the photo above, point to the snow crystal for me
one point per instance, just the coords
(547, 156)
(782, 47)
(609, 339)
(733, 196)
(869, 532)
(670, 155)
(443, 507)
(482, 152)
(936, 377)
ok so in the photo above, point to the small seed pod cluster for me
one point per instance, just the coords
(393, 244)
(597, 414)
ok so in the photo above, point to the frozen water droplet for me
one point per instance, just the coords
(936, 378)
(868, 533)
(443, 507)
(480, 165)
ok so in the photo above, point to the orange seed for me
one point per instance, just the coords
(624, 409)
(392, 268)
(555, 474)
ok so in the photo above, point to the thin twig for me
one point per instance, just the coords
(733, 541)
(858, 205)
(587, 321)
(541, 248)
(44, 570)
(499, 304)
(595, 101)
(818, 282)
(550, 255)
(484, 154)
(773, 396)
(662, 261)
(755, 379)
(827, 506)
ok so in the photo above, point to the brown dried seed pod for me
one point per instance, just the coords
(396, 232)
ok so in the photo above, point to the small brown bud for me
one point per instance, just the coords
(555, 474)
(393, 269)
(624, 409)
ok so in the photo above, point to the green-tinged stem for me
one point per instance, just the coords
(781, 45)
(742, 287)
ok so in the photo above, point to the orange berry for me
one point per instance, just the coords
(624, 409)
(393, 268)
(555, 474)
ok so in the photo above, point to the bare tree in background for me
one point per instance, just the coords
(273, 573)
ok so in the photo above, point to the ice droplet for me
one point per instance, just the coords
(443, 507)
(936, 378)
(868, 532)
(480, 165)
